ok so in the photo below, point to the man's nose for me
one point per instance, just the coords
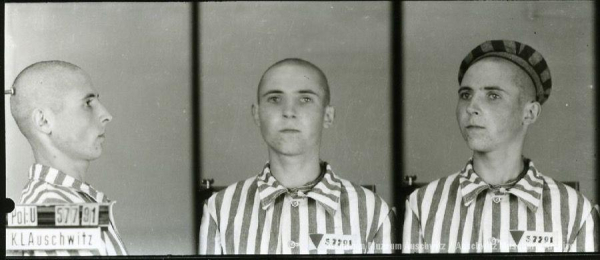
(105, 116)
(289, 110)
(473, 108)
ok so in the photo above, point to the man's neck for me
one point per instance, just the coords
(498, 167)
(74, 168)
(294, 171)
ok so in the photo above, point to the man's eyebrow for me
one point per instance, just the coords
(272, 92)
(91, 95)
(308, 91)
(465, 88)
(494, 88)
(303, 91)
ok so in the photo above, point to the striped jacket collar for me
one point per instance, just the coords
(38, 172)
(528, 189)
(326, 192)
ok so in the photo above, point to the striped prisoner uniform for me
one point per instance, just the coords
(48, 186)
(260, 216)
(463, 214)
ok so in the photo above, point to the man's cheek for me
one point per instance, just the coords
(82, 133)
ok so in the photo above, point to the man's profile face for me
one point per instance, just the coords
(489, 111)
(78, 130)
(291, 110)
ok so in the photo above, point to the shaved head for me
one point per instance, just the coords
(321, 78)
(42, 85)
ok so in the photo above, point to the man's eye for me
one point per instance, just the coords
(88, 103)
(273, 99)
(494, 96)
(464, 95)
(306, 99)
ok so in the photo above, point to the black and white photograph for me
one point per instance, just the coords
(499, 127)
(258, 128)
(283, 128)
(130, 139)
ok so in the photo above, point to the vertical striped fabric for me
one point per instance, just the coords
(462, 214)
(260, 216)
(49, 186)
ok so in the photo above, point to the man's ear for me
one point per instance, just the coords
(42, 120)
(255, 115)
(532, 110)
(328, 117)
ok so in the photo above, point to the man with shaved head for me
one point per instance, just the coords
(499, 202)
(297, 204)
(59, 112)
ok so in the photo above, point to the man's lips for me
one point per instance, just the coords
(289, 130)
(474, 127)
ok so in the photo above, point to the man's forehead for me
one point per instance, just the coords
(291, 70)
(292, 76)
(497, 74)
(492, 70)
(77, 86)
(82, 90)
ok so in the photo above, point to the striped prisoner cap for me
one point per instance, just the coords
(522, 55)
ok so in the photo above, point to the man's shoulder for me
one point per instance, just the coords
(231, 189)
(41, 192)
(562, 190)
(433, 185)
(350, 187)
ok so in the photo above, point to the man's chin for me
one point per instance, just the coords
(287, 150)
(88, 155)
(480, 149)
(478, 146)
(95, 154)
(92, 158)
